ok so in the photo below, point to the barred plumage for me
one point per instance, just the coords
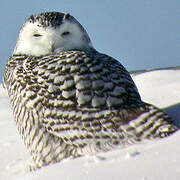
(76, 101)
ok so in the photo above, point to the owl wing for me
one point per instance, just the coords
(75, 96)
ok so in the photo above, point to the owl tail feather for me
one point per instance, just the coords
(150, 123)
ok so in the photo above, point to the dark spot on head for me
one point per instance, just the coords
(46, 19)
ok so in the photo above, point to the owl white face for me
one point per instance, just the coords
(37, 40)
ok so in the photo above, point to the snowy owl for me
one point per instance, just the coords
(68, 99)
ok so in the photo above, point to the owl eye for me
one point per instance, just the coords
(37, 35)
(65, 33)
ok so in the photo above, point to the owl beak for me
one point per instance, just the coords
(51, 47)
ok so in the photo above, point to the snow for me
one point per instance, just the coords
(159, 87)
(151, 160)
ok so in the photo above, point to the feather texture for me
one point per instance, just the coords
(73, 103)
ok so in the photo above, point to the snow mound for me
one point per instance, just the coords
(161, 88)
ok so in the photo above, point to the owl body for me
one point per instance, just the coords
(76, 101)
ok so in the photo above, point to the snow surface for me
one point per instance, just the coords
(152, 160)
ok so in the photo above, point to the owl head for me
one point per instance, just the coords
(51, 32)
